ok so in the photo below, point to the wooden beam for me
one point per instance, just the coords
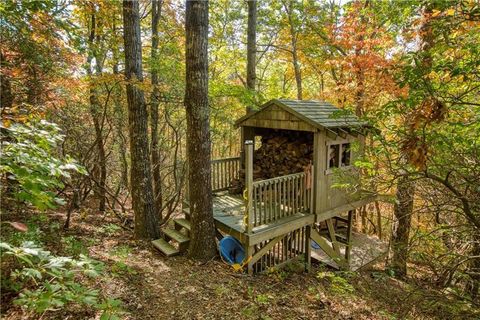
(308, 249)
(325, 246)
(249, 184)
(333, 236)
(352, 132)
(319, 191)
(348, 248)
(249, 253)
(342, 133)
(263, 233)
(345, 208)
(265, 249)
(331, 134)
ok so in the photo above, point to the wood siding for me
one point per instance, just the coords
(275, 117)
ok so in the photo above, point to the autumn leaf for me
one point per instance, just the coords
(18, 225)
(450, 12)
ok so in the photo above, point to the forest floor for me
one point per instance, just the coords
(151, 286)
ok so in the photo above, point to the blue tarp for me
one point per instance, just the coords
(314, 245)
(231, 250)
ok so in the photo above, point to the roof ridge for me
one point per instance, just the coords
(319, 113)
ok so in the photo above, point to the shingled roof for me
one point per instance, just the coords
(320, 114)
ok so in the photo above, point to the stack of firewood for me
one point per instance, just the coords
(281, 152)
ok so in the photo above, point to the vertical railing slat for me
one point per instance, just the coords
(281, 197)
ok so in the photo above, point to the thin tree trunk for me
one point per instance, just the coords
(403, 218)
(202, 242)
(298, 72)
(379, 220)
(120, 137)
(6, 96)
(251, 47)
(101, 165)
(119, 116)
(405, 186)
(157, 180)
(288, 5)
(146, 219)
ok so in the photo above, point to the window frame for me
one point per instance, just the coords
(340, 143)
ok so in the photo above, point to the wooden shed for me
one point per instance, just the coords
(281, 217)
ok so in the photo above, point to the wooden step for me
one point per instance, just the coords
(180, 238)
(176, 236)
(165, 247)
(186, 212)
(182, 223)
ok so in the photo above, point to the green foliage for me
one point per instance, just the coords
(110, 229)
(122, 251)
(262, 298)
(74, 246)
(29, 159)
(338, 282)
(33, 234)
(48, 282)
(120, 268)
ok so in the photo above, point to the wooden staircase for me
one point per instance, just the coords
(175, 237)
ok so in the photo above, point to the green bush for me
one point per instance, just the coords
(31, 161)
(338, 282)
(46, 282)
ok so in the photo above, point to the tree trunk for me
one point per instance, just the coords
(6, 96)
(101, 165)
(146, 219)
(119, 116)
(288, 5)
(251, 47)
(403, 217)
(119, 128)
(406, 186)
(202, 241)
(157, 181)
(95, 111)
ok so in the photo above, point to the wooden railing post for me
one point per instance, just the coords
(249, 182)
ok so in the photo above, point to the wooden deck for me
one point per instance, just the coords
(229, 213)
(365, 251)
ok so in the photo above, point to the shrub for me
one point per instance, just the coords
(32, 164)
(47, 282)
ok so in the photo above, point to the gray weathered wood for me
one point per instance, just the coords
(249, 183)
(325, 246)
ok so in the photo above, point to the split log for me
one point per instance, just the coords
(281, 152)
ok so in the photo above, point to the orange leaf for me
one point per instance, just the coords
(18, 225)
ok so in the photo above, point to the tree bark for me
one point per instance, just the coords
(288, 5)
(403, 217)
(251, 47)
(95, 111)
(146, 219)
(157, 180)
(119, 116)
(202, 241)
(6, 96)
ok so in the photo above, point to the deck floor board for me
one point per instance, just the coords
(229, 212)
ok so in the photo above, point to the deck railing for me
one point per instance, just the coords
(223, 172)
(279, 197)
